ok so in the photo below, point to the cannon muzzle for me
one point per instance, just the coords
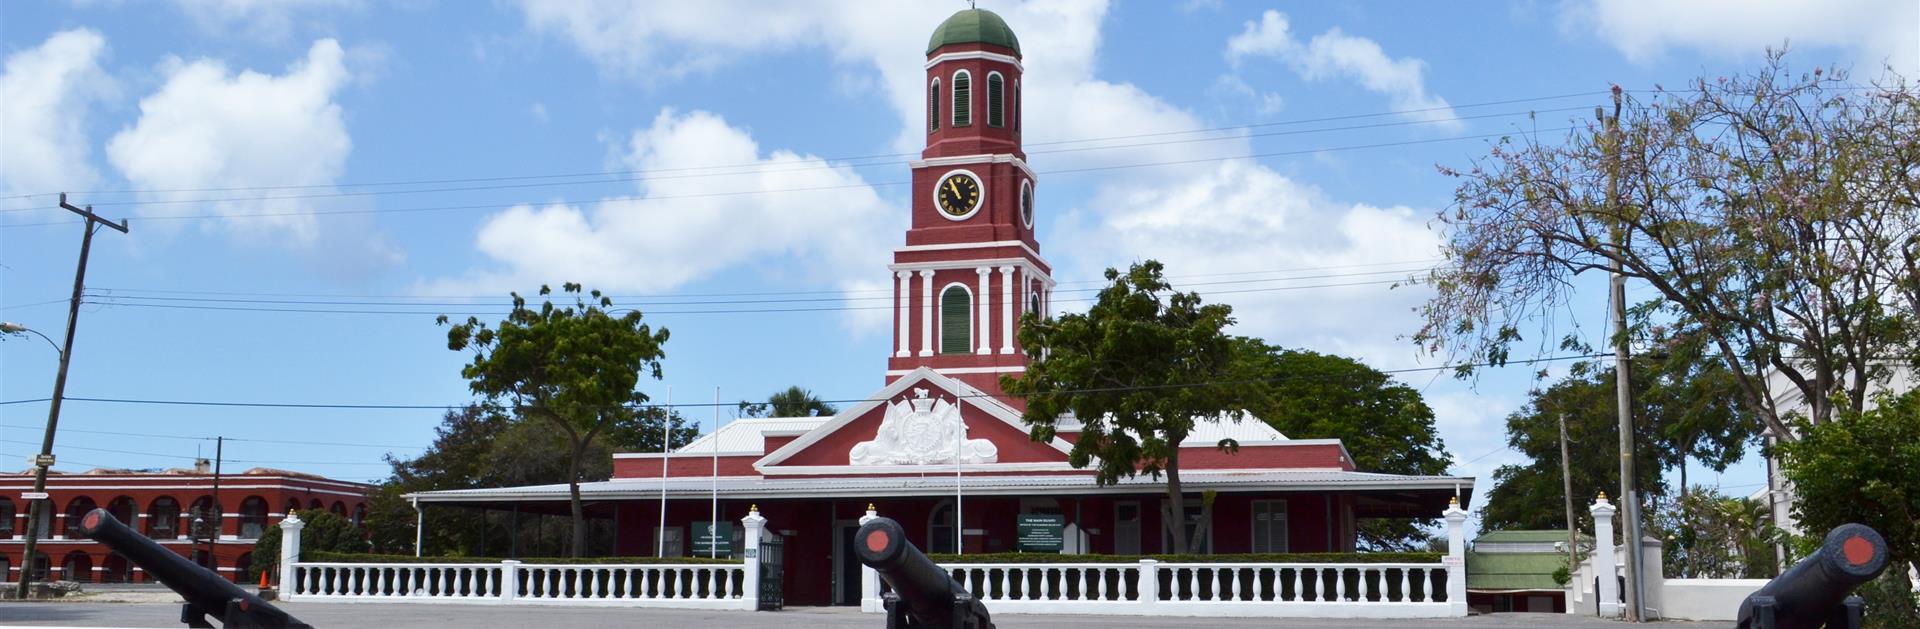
(1815, 591)
(206, 593)
(923, 594)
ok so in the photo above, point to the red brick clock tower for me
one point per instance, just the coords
(971, 266)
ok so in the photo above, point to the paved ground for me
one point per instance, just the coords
(88, 614)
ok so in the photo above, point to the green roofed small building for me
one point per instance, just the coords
(1512, 571)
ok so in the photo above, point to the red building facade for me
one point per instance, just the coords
(163, 506)
(940, 448)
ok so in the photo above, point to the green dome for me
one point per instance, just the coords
(974, 26)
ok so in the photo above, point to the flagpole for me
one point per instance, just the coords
(959, 506)
(666, 450)
(713, 515)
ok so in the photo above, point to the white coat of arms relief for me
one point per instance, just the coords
(922, 431)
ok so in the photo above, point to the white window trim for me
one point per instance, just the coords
(941, 318)
(977, 203)
(1003, 100)
(953, 101)
(1026, 210)
(933, 101)
(1016, 107)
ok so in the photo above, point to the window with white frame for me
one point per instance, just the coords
(962, 99)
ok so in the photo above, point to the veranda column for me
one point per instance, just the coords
(1456, 560)
(289, 553)
(1006, 309)
(1608, 590)
(750, 571)
(986, 310)
(906, 332)
(870, 578)
(926, 313)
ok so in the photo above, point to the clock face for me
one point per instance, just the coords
(959, 194)
(1026, 204)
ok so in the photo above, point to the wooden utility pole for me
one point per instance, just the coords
(1621, 368)
(1566, 482)
(40, 508)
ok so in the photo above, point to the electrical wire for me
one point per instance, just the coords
(242, 439)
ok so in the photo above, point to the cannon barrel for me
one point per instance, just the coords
(1811, 592)
(203, 589)
(931, 597)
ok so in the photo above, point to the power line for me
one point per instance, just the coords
(196, 458)
(188, 438)
(605, 173)
(1159, 387)
(765, 191)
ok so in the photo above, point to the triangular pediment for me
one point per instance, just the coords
(918, 409)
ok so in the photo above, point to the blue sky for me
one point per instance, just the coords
(750, 155)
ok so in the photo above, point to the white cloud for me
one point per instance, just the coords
(1878, 31)
(1337, 55)
(209, 127)
(47, 91)
(819, 223)
(260, 19)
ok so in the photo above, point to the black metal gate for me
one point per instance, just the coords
(773, 565)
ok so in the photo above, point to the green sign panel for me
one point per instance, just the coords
(1039, 532)
(706, 537)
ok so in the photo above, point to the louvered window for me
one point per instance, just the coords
(962, 99)
(956, 321)
(933, 106)
(1016, 105)
(996, 90)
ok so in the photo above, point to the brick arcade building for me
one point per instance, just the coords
(939, 447)
(163, 506)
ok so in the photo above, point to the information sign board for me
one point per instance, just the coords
(706, 536)
(1039, 532)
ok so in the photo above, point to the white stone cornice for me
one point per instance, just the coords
(974, 54)
(984, 158)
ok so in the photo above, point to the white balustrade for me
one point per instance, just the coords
(706, 586)
(1375, 590)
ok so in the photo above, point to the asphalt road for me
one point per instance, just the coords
(72, 614)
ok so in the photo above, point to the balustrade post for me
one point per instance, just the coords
(290, 553)
(870, 578)
(1148, 581)
(1608, 590)
(509, 580)
(750, 571)
(1456, 559)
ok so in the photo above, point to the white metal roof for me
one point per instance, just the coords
(749, 435)
(1249, 429)
(770, 488)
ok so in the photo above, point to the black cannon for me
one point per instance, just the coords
(923, 595)
(205, 591)
(1815, 592)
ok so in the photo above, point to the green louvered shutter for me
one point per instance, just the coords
(996, 89)
(962, 100)
(956, 321)
(933, 106)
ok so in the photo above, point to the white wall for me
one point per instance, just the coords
(1705, 599)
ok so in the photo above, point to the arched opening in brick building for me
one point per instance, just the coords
(116, 569)
(253, 517)
(76, 509)
(123, 509)
(77, 566)
(40, 566)
(163, 518)
(204, 516)
(243, 568)
(7, 515)
(338, 508)
(316, 504)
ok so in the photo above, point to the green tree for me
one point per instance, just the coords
(1386, 426)
(1862, 468)
(572, 368)
(325, 531)
(1710, 536)
(1137, 370)
(1776, 214)
(792, 402)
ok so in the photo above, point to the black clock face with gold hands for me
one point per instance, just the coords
(959, 194)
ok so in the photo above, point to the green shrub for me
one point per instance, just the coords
(325, 532)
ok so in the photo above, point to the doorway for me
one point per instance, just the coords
(846, 565)
(1126, 527)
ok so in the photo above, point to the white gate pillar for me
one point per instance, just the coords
(289, 553)
(870, 578)
(750, 571)
(1608, 590)
(1456, 560)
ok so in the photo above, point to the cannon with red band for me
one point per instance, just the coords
(1816, 592)
(206, 593)
(923, 594)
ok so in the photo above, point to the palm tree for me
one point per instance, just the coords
(793, 402)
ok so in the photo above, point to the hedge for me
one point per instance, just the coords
(1239, 558)
(376, 558)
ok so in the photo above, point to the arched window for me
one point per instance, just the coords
(123, 509)
(40, 565)
(163, 518)
(243, 568)
(207, 516)
(7, 514)
(940, 529)
(1016, 106)
(359, 514)
(996, 93)
(1033, 304)
(116, 569)
(253, 517)
(338, 508)
(956, 320)
(933, 106)
(316, 504)
(293, 504)
(962, 99)
(77, 566)
(76, 510)
(43, 527)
